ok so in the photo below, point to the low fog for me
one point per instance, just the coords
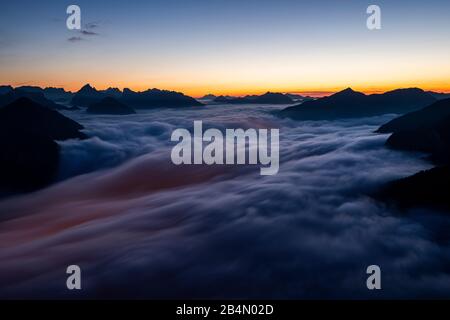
(141, 227)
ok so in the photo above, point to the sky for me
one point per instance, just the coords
(226, 46)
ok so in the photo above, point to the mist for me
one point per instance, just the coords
(141, 227)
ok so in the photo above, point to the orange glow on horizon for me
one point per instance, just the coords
(198, 92)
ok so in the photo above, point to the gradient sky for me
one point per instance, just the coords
(227, 46)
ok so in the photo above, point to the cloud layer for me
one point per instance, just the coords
(143, 228)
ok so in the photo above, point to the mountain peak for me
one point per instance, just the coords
(127, 90)
(348, 93)
(87, 88)
(348, 90)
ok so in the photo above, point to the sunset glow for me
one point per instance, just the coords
(188, 49)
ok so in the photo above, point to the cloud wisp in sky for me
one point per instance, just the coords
(86, 32)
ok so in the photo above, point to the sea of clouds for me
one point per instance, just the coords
(140, 227)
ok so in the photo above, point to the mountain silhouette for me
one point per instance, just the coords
(267, 98)
(152, 98)
(112, 92)
(51, 93)
(439, 95)
(37, 97)
(26, 115)
(426, 117)
(430, 188)
(110, 105)
(5, 89)
(351, 104)
(224, 99)
(208, 96)
(428, 131)
(86, 96)
(29, 154)
(155, 98)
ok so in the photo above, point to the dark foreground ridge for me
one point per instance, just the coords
(428, 131)
(29, 154)
(430, 188)
(426, 117)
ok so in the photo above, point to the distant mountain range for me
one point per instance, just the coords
(152, 98)
(58, 98)
(344, 104)
(29, 127)
(12, 95)
(110, 105)
(208, 97)
(88, 95)
(352, 104)
(426, 130)
(55, 94)
(267, 98)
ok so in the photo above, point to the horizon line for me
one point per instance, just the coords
(312, 93)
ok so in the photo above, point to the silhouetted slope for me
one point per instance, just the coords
(430, 188)
(112, 92)
(110, 105)
(27, 115)
(267, 98)
(29, 155)
(5, 89)
(426, 130)
(155, 98)
(426, 117)
(57, 94)
(439, 95)
(352, 104)
(51, 93)
(37, 97)
(433, 139)
(208, 97)
(26, 162)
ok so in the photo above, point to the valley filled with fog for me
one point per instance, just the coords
(141, 227)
